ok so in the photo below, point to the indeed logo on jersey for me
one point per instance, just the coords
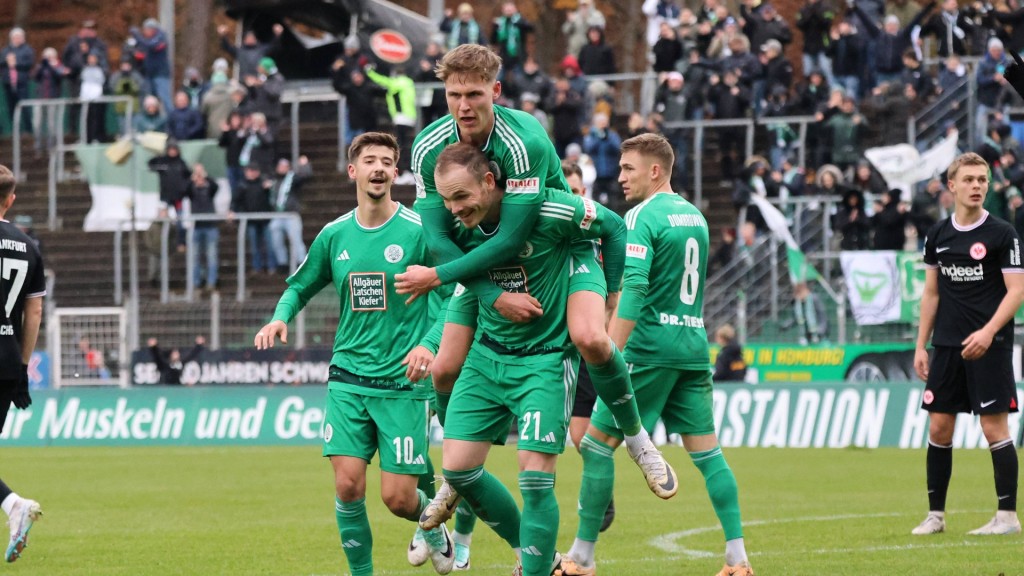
(636, 251)
(963, 273)
(368, 291)
(511, 279)
(522, 186)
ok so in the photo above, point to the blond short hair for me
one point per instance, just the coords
(654, 146)
(471, 60)
(966, 159)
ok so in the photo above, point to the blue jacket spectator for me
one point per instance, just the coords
(185, 122)
(602, 144)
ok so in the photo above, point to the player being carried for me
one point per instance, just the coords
(377, 391)
(659, 325)
(521, 370)
(23, 285)
(524, 163)
(974, 284)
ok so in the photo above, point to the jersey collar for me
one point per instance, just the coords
(959, 228)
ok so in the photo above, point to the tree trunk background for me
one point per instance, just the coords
(21, 12)
(193, 45)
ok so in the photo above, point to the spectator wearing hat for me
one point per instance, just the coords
(851, 222)
(764, 24)
(216, 104)
(530, 103)
(673, 103)
(461, 28)
(889, 221)
(151, 49)
(249, 54)
(126, 82)
(777, 70)
(578, 22)
(184, 122)
(509, 34)
(264, 92)
(194, 86)
(151, 118)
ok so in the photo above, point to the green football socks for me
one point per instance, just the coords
(465, 519)
(356, 538)
(426, 480)
(596, 488)
(490, 499)
(721, 486)
(539, 528)
(612, 384)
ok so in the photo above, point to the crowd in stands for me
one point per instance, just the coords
(861, 67)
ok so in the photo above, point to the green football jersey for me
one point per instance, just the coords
(663, 287)
(376, 329)
(542, 270)
(524, 157)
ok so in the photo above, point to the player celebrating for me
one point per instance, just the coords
(23, 287)
(659, 325)
(524, 163)
(974, 284)
(514, 369)
(376, 400)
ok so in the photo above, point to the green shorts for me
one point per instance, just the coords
(357, 425)
(537, 390)
(585, 271)
(680, 398)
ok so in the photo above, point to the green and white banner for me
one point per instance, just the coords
(770, 416)
(113, 185)
(872, 285)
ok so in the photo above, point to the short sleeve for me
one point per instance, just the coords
(1009, 253)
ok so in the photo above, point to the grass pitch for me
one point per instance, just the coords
(243, 511)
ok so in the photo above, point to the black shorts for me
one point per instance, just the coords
(583, 406)
(982, 386)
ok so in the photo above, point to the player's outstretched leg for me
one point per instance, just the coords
(21, 513)
(610, 376)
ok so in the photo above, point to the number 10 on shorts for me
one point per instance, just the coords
(404, 450)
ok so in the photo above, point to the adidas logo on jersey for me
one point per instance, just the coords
(351, 544)
(343, 255)
(550, 438)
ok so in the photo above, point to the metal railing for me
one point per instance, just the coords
(956, 105)
(699, 127)
(315, 93)
(242, 218)
(61, 104)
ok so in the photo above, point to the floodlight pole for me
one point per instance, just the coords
(133, 251)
